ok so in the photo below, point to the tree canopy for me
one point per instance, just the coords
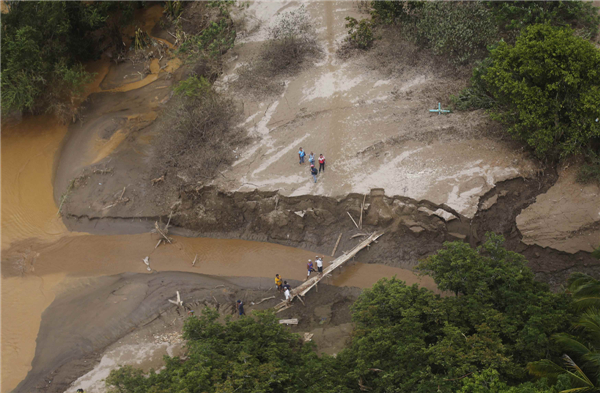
(406, 338)
(43, 45)
(547, 89)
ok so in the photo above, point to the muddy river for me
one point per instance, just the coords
(39, 253)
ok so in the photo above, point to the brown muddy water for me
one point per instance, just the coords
(39, 254)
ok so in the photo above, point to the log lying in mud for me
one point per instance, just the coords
(306, 286)
(293, 321)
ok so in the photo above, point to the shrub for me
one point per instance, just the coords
(213, 41)
(513, 16)
(197, 131)
(291, 39)
(590, 169)
(547, 89)
(390, 12)
(360, 33)
(408, 339)
(461, 31)
(193, 87)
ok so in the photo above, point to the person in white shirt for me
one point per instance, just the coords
(319, 265)
(287, 294)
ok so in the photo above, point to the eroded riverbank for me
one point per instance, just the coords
(376, 134)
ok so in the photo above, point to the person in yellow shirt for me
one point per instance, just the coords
(278, 282)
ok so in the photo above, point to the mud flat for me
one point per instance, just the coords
(96, 324)
(34, 273)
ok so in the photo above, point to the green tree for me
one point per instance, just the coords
(583, 371)
(410, 339)
(547, 88)
(513, 16)
(252, 354)
(43, 43)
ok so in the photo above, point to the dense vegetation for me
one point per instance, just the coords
(534, 67)
(43, 45)
(406, 338)
(545, 88)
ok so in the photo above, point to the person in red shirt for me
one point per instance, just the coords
(321, 163)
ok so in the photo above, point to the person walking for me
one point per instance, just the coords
(319, 265)
(301, 154)
(240, 307)
(309, 267)
(278, 282)
(286, 285)
(313, 172)
(321, 163)
(311, 158)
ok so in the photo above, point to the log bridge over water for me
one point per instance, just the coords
(306, 286)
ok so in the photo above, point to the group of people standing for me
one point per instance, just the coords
(311, 160)
(283, 286)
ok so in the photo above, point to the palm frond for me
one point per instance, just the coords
(570, 344)
(577, 280)
(586, 302)
(590, 323)
(593, 358)
(545, 369)
(577, 372)
(588, 289)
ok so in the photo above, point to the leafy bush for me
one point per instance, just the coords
(291, 39)
(193, 87)
(213, 41)
(360, 33)
(197, 132)
(513, 16)
(546, 88)
(461, 31)
(252, 354)
(390, 12)
(42, 46)
(590, 169)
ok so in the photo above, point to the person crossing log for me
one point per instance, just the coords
(306, 286)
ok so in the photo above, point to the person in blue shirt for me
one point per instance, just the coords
(301, 155)
(240, 307)
(311, 158)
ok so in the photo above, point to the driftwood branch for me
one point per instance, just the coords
(177, 302)
(352, 219)
(265, 299)
(167, 239)
(336, 244)
(362, 208)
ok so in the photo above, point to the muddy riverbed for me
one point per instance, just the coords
(424, 179)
